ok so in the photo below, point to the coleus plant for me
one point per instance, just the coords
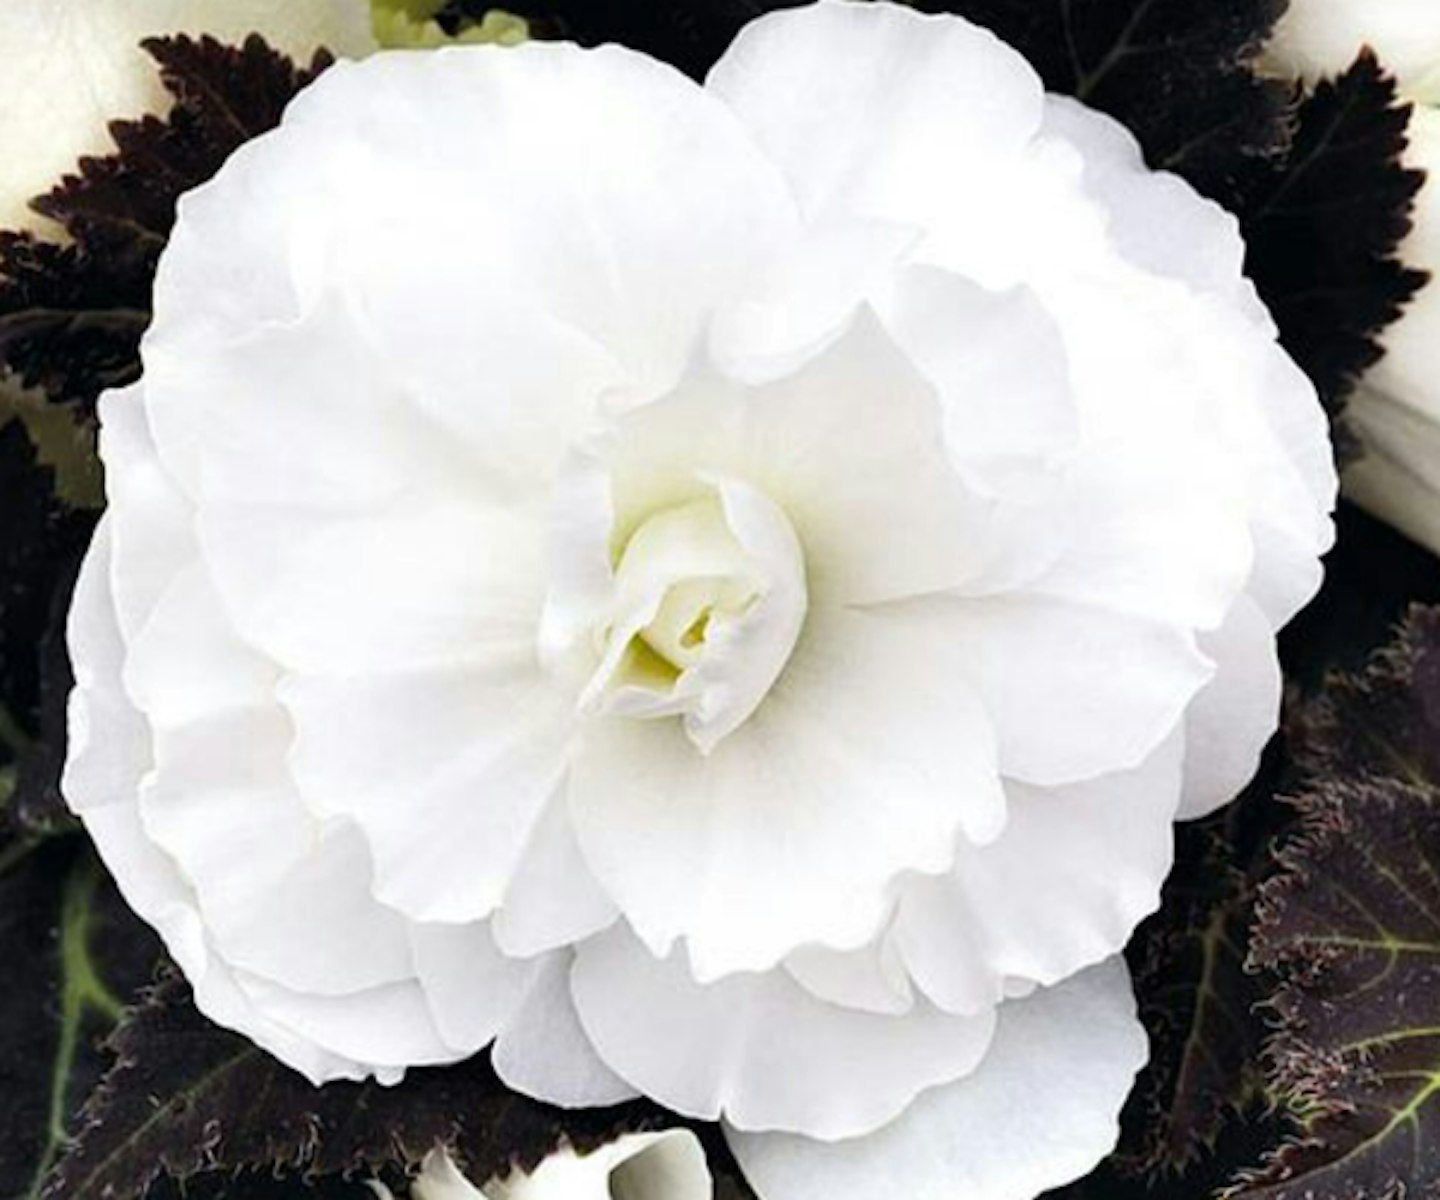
(1320, 191)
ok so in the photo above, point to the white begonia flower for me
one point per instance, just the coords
(728, 608)
(1316, 39)
(668, 1165)
(74, 66)
(1396, 410)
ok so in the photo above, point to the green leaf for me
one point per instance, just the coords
(185, 1097)
(74, 954)
(1350, 927)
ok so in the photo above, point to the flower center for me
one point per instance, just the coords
(707, 603)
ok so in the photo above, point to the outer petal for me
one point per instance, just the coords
(1076, 870)
(1259, 403)
(472, 988)
(1041, 1110)
(1235, 714)
(108, 750)
(553, 899)
(543, 1052)
(1073, 691)
(867, 760)
(450, 797)
(588, 188)
(109, 756)
(388, 1026)
(151, 521)
(877, 109)
(758, 1049)
(343, 529)
(1146, 209)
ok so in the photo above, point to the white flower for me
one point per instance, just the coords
(1320, 38)
(74, 66)
(669, 1165)
(727, 606)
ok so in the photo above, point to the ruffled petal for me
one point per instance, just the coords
(849, 474)
(151, 521)
(450, 797)
(589, 188)
(473, 990)
(805, 299)
(867, 760)
(1076, 870)
(1041, 1109)
(1073, 691)
(999, 364)
(880, 110)
(219, 803)
(389, 1027)
(1235, 714)
(758, 1049)
(1146, 209)
(871, 979)
(553, 900)
(109, 758)
(108, 747)
(543, 1051)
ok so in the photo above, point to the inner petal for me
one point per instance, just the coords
(707, 603)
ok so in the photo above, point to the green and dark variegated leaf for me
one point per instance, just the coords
(71, 316)
(1324, 226)
(41, 542)
(1196, 997)
(74, 955)
(186, 1097)
(1350, 929)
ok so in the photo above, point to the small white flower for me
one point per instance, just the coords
(73, 66)
(669, 1165)
(719, 591)
(1320, 38)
